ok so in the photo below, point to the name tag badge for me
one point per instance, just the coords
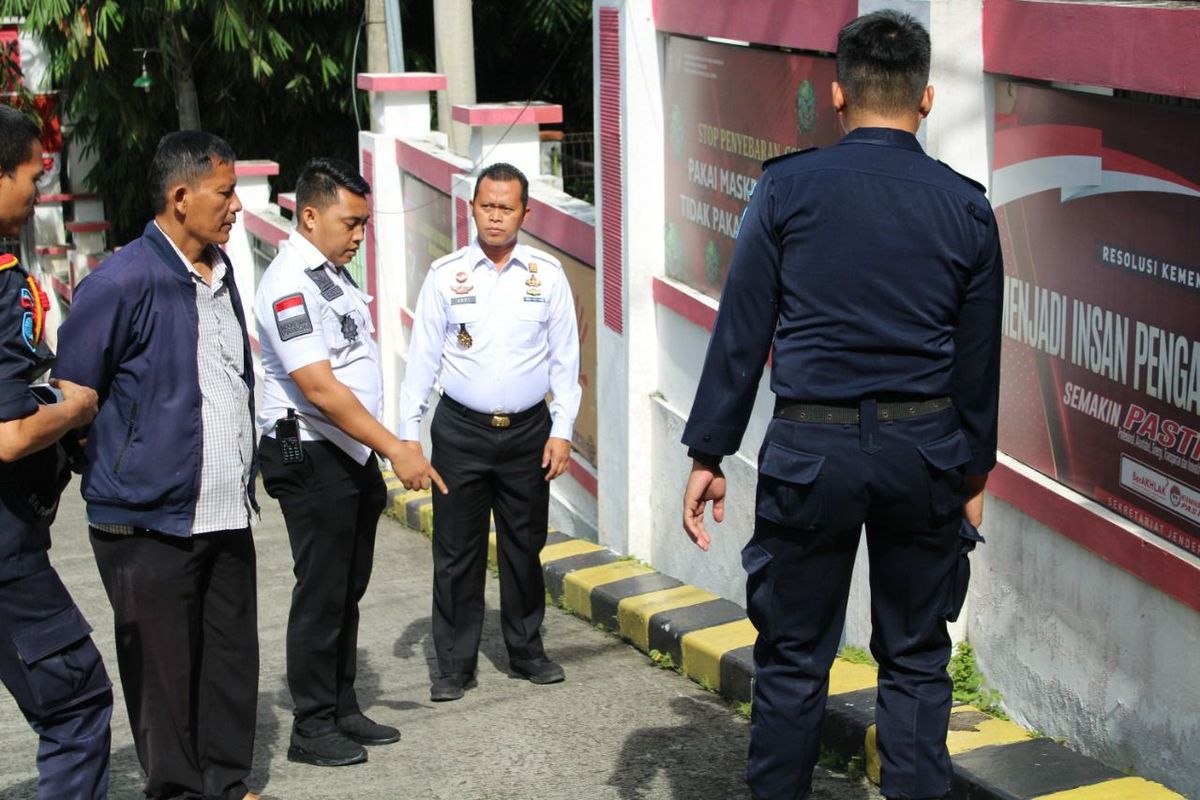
(458, 301)
(534, 299)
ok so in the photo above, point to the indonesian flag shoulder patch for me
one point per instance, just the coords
(291, 316)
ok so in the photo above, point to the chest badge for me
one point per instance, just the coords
(464, 336)
(461, 286)
(349, 328)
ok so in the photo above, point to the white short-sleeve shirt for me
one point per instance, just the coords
(307, 311)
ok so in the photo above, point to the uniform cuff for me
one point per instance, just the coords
(707, 459)
(561, 428)
(16, 402)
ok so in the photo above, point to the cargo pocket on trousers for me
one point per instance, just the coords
(945, 459)
(756, 560)
(960, 578)
(62, 664)
(787, 486)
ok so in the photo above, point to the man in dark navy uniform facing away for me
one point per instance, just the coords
(873, 275)
(47, 658)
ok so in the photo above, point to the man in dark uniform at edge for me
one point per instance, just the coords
(876, 273)
(47, 658)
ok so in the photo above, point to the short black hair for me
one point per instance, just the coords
(17, 135)
(321, 178)
(185, 157)
(883, 62)
(500, 171)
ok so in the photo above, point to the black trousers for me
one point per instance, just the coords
(186, 617)
(489, 471)
(54, 671)
(331, 505)
(819, 484)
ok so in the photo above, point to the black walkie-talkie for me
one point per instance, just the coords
(287, 434)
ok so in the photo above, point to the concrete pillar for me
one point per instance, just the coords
(400, 101)
(454, 43)
(628, 359)
(254, 190)
(400, 109)
(507, 132)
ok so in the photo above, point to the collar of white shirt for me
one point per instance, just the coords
(476, 257)
(217, 264)
(308, 254)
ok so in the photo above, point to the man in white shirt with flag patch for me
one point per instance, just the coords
(322, 399)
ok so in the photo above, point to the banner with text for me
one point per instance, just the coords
(728, 109)
(1097, 199)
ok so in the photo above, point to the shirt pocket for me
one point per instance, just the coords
(460, 313)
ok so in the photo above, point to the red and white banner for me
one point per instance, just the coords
(1097, 200)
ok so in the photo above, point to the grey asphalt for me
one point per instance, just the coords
(617, 729)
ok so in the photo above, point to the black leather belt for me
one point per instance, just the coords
(847, 414)
(491, 420)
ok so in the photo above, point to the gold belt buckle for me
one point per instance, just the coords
(500, 421)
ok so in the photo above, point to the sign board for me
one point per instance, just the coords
(1097, 201)
(728, 109)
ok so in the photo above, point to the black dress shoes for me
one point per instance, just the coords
(363, 730)
(539, 670)
(450, 686)
(332, 749)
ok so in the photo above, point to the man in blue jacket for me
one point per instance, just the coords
(157, 330)
(873, 274)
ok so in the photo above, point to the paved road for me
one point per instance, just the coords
(617, 729)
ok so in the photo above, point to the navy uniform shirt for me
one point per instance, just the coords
(29, 487)
(868, 270)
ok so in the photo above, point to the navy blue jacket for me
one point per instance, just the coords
(875, 271)
(30, 486)
(132, 336)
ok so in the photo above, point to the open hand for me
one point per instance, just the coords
(704, 484)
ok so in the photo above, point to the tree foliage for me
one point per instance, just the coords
(272, 77)
(516, 47)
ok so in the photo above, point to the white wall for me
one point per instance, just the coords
(1084, 651)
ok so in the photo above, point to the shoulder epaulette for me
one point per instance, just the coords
(446, 259)
(325, 285)
(786, 156)
(971, 181)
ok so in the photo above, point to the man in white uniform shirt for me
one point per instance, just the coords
(322, 371)
(496, 321)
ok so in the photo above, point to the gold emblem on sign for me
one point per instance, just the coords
(464, 336)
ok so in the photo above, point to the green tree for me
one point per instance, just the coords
(272, 77)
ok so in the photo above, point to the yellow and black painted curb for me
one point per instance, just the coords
(710, 640)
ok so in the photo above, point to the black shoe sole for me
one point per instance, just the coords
(302, 756)
(367, 741)
(540, 680)
(453, 694)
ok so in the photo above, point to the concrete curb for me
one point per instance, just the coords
(709, 639)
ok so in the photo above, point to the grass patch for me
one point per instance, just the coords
(743, 709)
(663, 660)
(857, 655)
(854, 767)
(970, 685)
